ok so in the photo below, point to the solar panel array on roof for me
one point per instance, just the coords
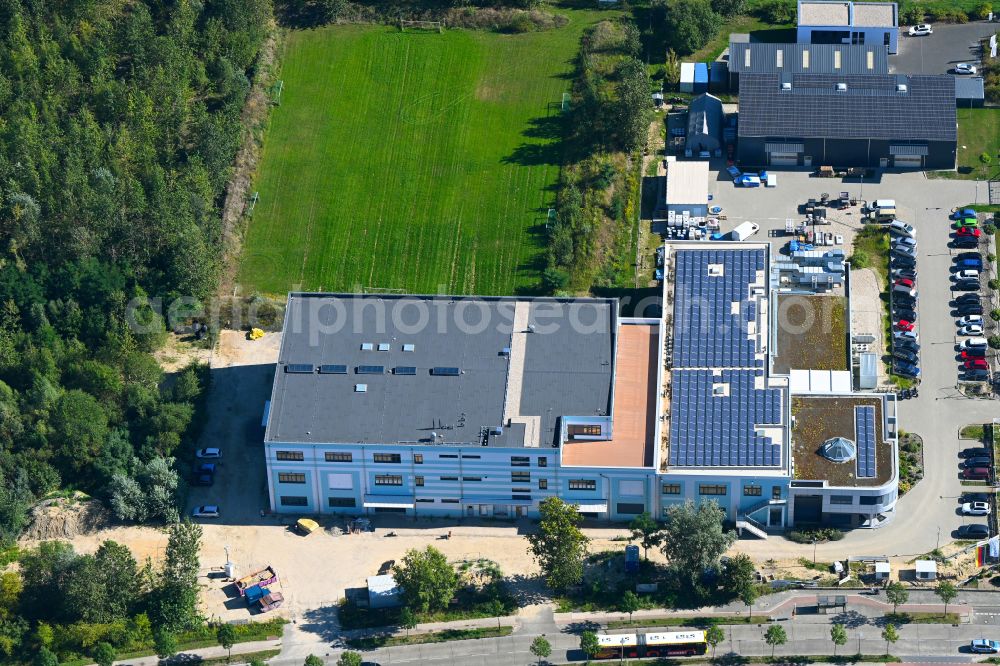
(331, 369)
(707, 334)
(299, 368)
(445, 372)
(719, 430)
(864, 430)
(370, 369)
(404, 370)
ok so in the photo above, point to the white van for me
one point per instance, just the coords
(975, 343)
(902, 228)
(879, 204)
(745, 231)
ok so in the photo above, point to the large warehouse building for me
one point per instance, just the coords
(890, 121)
(447, 406)
(773, 58)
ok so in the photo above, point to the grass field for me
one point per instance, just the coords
(422, 162)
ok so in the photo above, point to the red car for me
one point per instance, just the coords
(904, 325)
(976, 364)
(966, 231)
(904, 282)
(973, 352)
(976, 473)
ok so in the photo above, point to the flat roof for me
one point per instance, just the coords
(687, 182)
(634, 418)
(874, 15)
(818, 419)
(824, 13)
(444, 370)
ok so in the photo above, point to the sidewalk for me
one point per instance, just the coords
(205, 653)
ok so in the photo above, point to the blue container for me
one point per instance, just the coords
(700, 77)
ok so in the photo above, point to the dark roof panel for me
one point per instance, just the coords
(869, 107)
(764, 58)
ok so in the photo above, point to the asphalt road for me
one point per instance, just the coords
(939, 52)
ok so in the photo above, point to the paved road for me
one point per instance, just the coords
(940, 411)
(940, 52)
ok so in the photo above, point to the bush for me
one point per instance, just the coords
(995, 315)
(820, 534)
(910, 14)
(994, 341)
(520, 24)
(691, 24)
(981, 11)
(860, 259)
(989, 229)
(994, 284)
(776, 11)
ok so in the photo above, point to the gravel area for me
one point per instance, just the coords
(866, 312)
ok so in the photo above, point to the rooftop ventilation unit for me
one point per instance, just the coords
(404, 370)
(408, 348)
(786, 86)
(361, 388)
(383, 346)
(367, 346)
(841, 87)
(299, 368)
(445, 372)
(333, 369)
(901, 88)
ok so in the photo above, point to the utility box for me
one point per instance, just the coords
(631, 559)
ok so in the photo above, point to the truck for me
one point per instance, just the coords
(745, 231)
(263, 598)
(262, 578)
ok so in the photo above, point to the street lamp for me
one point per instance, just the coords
(814, 551)
(860, 636)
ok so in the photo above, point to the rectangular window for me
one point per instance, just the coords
(841, 499)
(520, 490)
(331, 456)
(632, 508)
(869, 500)
(388, 480)
(543, 484)
(418, 480)
(520, 477)
(520, 497)
(425, 500)
(449, 501)
(340, 481)
(418, 459)
(341, 501)
(775, 492)
(520, 461)
(752, 491)
(449, 478)
(582, 484)
(289, 455)
(469, 456)
(291, 477)
(294, 500)
(472, 478)
(543, 461)
(585, 430)
(671, 489)
(710, 489)
(387, 458)
(448, 455)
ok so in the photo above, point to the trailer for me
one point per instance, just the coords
(263, 578)
(745, 231)
(270, 601)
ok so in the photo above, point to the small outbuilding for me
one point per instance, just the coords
(687, 77)
(384, 592)
(882, 571)
(867, 371)
(704, 126)
(926, 570)
(687, 189)
(970, 92)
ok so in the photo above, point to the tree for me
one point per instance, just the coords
(690, 24)
(589, 644)
(946, 592)
(559, 546)
(45, 657)
(775, 636)
(407, 620)
(346, 659)
(729, 8)
(890, 635)
(632, 110)
(629, 603)
(104, 654)
(694, 539)
(647, 532)
(226, 636)
(164, 643)
(427, 578)
(738, 580)
(496, 609)
(713, 636)
(897, 594)
(541, 648)
(838, 634)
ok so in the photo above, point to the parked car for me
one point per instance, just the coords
(970, 309)
(905, 369)
(903, 251)
(968, 222)
(747, 180)
(905, 343)
(983, 645)
(904, 282)
(969, 320)
(202, 479)
(977, 376)
(904, 241)
(909, 273)
(904, 325)
(967, 285)
(976, 474)
(902, 228)
(973, 353)
(961, 213)
(976, 531)
(205, 468)
(208, 453)
(965, 68)
(205, 511)
(965, 243)
(905, 313)
(976, 364)
(969, 255)
(967, 274)
(906, 355)
(920, 30)
(976, 509)
(967, 298)
(903, 261)
(905, 335)
(974, 452)
(979, 461)
(975, 343)
(971, 329)
(905, 299)
(971, 232)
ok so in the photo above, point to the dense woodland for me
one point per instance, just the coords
(119, 121)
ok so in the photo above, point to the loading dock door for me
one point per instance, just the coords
(908, 161)
(783, 159)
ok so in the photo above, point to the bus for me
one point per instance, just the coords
(686, 643)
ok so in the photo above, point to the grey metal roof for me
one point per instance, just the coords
(705, 116)
(969, 87)
(821, 58)
(568, 368)
(870, 107)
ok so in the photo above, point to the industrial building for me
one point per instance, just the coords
(687, 189)
(770, 58)
(887, 121)
(449, 406)
(833, 22)
(704, 127)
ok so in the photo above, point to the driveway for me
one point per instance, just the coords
(940, 410)
(940, 52)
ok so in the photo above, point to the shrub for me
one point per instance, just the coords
(981, 11)
(994, 341)
(820, 534)
(860, 259)
(910, 14)
(776, 11)
(994, 284)
(521, 23)
(989, 229)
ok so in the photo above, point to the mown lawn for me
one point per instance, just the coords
(978, 133)
(421, 162)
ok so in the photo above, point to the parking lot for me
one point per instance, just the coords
(939, 52)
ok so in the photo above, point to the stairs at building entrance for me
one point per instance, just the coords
(745, 521)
